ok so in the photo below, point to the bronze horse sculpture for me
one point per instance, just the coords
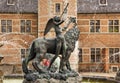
(41, 46)
(71, 41)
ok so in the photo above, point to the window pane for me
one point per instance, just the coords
(3, 28)
(103, 2)
(110, 22)
(92, 58)
(92, 51)
(116, 50)
(110, 28)
(10, 1)
(98, 58)
(97, 51)
(9, 23)
(116, 22)
(97, 28)
(114, 69)
(3, 22)
(57, 7)
(94, 25)
(28, 29)
(111, 59)
(92, 22)
(92, 29)
(111, 51)
(28, 26)
(97, 22)
(116, 29)
(9, 29)
(22, 28)
(80, 55)
(22, 22)
(117, 58)
(28, 23)
(92, 54)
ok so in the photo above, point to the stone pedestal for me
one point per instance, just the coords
(77, 79)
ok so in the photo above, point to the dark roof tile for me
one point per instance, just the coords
(92, 6)
(20, 6)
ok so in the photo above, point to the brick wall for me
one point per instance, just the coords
(103, 39)
(15, 41)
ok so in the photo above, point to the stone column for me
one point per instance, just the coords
(106, 60)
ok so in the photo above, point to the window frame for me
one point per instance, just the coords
(94, 55)
(113, 25)
(94, 26)
(9, 2)
(112, 68)
(7, 27)
(112, 57)
(103, 4)
(60, 11)
(57, 7)
(80, 55)
(23, 26)
(23, 54)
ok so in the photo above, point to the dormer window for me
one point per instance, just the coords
(103, 2)
(10, 2)
(57, 8)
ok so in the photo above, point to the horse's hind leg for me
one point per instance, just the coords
(25, 63)
(24, 66)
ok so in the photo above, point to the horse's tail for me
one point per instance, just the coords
(31, 55)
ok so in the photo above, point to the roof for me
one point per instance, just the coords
(20, 6)
(93, 6)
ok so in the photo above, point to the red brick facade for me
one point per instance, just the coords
(103, 39)
(98, 37)
(14, 41)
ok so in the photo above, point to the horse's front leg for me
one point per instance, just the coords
(67, 60)
(25, 64)
(36, 63)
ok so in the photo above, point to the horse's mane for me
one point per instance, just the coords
(72, 35)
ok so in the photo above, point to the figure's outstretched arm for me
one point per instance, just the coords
(67, 25)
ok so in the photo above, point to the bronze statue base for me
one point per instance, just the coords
(77, 79)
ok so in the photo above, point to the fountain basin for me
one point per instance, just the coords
(85, 79)
(99, 79)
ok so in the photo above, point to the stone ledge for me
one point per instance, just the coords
(77, 79)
